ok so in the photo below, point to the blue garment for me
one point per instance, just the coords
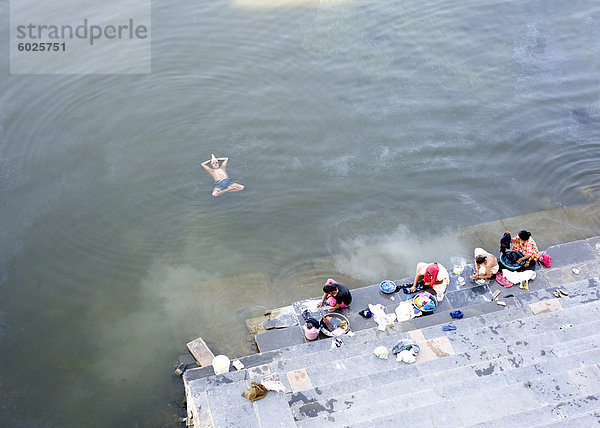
(223, 184)
(406, 345)
(429, 306)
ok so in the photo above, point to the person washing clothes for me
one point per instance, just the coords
(434, 275)
(525, 244)
(486, 264)
(335, 295)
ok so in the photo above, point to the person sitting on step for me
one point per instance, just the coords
(486, 264)
(434, 275)
(335, 295)
(525, 244)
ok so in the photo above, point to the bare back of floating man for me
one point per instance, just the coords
(223, 183)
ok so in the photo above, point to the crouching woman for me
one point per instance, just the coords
(335, 295)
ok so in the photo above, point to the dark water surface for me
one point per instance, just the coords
(352, 125)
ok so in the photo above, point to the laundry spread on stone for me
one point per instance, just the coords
(381, 318)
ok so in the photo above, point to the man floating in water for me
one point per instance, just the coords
(222, 181)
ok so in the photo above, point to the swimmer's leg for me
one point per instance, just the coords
(235, 187)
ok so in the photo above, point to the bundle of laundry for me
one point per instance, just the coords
(255, 392)
(518, 277)
(406, 350)
(381, 318)
(381, 352)
(404, 311)
(272, 383)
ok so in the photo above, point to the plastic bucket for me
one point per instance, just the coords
(505, 259)
(220, 364)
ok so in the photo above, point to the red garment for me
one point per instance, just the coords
(431, 274)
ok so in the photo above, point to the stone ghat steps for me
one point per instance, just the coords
(518, 308)
(324, 345)
(471, 298)
(481, 329)
(514, 405)
(452, 370)
(507, 362)
(459, 389)
(577, 412)
(434, 382)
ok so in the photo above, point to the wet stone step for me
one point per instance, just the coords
(485, 382)
(588, 420)
(361, 358)
(528, 418)
(200, 383)
(273, 411)
(360, 344)
(279, 338)
(361, 391)
(569, 253)
(228, 408)
(354, 367)
(364, 412)
(477, 408)
(440, 414)
(335, 420)
(552, 366)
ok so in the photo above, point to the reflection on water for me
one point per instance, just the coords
(399, 251)
(358, 128)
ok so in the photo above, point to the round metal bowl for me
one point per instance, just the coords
(335, 319)
(420, 298)
(388, 286)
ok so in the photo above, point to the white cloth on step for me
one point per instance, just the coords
(517, 277)
(381, 318)
(404, 311)
(272, 383)
(406, 356)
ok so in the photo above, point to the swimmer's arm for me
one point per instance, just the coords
(205, 165)
(224, 161)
